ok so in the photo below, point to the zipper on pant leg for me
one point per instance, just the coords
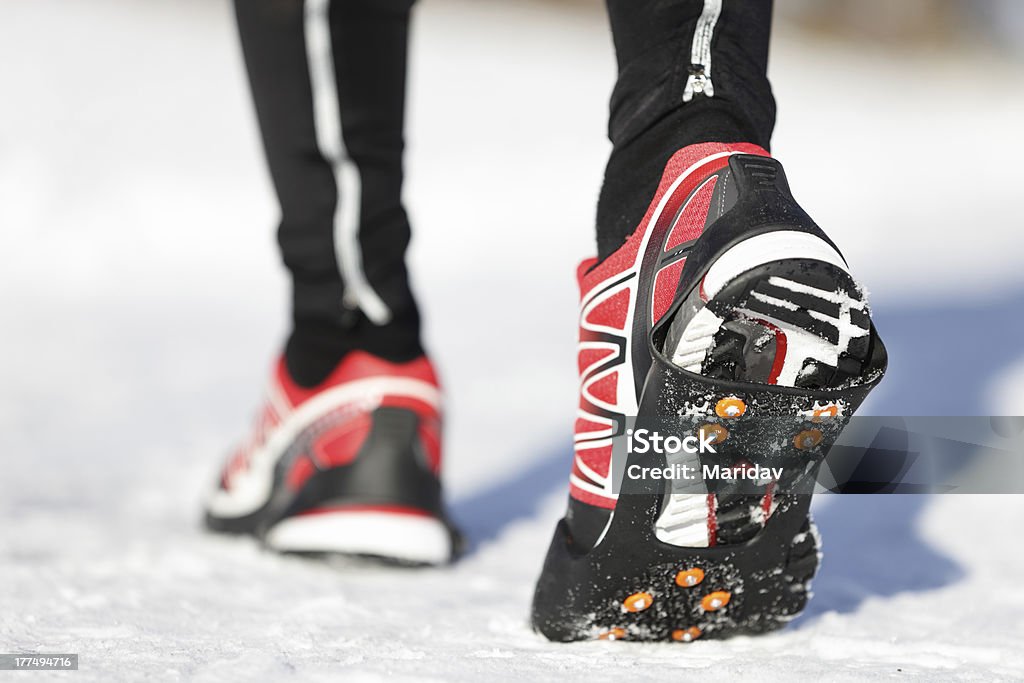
(699, 80)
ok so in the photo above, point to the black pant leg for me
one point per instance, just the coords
(328, 82)
(651, 113)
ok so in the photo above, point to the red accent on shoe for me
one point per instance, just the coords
(302, 470)
(691, 222)
(589, 359)
(340, 445)
(665, 289)
(605, 388)
(597, 459)
(585, 426)
(408, 402)
(354, 366)
(430, 437)
(780, 351)
(612, 312)
(766, 502)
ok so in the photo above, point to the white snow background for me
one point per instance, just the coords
(141, 303)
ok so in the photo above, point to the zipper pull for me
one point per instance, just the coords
(699, 80)
(698, 83)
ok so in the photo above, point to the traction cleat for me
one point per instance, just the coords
(831, 410)
(729, 408)
(687, 635)
(713, 433)
(727, 306)
(612, 634)
(715, 601)
(638, 602)
(807, 439)
(688, 578)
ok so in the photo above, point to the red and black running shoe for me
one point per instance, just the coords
(731, 309)
(351, 466)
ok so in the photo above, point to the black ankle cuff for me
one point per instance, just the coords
(315, 348)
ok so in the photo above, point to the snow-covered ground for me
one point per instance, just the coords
(141, 302)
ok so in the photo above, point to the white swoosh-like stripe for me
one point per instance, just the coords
(331, 142)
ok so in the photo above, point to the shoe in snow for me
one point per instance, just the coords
(731, 310)
(348, 467)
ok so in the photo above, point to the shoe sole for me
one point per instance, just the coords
(654, 591)
(383, 503)
(817, 305)
(401, 537)
(792, 278)
(795, 284)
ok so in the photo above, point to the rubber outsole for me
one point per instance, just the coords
(686, 593)
(819, 298)
(385, 502)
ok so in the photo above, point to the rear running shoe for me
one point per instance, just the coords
(731, 310)
(351, 466)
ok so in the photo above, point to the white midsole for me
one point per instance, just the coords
(761, 249)
(411, 538)
(697, 338)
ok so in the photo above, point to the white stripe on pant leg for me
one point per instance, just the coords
(330, 140)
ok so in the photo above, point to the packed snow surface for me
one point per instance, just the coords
(143, 303)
